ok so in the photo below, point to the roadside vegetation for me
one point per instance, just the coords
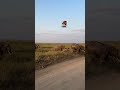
(102, 57)
(50, 53)
(17, 65)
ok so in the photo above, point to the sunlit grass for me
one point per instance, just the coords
(45, 55)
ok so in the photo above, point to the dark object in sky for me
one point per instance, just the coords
(64, 24)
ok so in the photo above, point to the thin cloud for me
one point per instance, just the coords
(77, 30)
(60, 38)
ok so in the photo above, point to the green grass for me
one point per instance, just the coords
(45, 55)
(54, 44)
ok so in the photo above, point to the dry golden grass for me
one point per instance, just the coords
(45, 55)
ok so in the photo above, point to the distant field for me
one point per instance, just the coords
(45, 55)
(116, 44)
(54, 44)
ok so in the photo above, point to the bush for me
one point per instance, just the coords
(45, 59)
(99, 60)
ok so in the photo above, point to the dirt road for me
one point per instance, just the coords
(68, 75)
(107, 81)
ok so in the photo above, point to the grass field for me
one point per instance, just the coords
(116, 44)
(45, 55)
(17, 69)
(54, 44)
(94, 67)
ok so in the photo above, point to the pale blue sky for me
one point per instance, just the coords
(49, 15)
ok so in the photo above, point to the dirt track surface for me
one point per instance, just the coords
(108, 81)
(68, 75)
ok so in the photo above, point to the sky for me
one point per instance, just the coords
(102, 20)
(17, 20)
(49, 15)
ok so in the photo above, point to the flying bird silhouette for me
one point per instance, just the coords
(64, 24)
